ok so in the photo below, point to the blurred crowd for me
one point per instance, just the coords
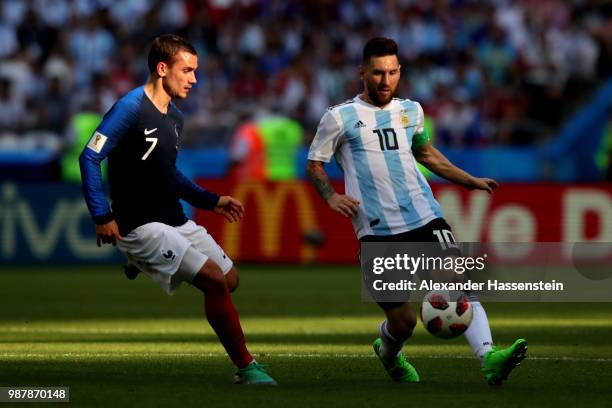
(486, 72)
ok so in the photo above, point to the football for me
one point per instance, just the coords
(444, 315)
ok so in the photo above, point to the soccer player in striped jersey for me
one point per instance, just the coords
(141, 136)
(377, 140)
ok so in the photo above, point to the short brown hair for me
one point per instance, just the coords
(164, 48)
(379, 47)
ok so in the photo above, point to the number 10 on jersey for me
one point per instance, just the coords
(387, 139)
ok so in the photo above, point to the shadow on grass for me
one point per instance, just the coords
(166, 381)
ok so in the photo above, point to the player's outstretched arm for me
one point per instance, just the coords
(194, 194)
(227, 206)
(230, 208)
(340, 203)
(434, 160)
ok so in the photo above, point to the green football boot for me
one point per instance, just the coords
(498, 363)
(401, 370)
(255, 374)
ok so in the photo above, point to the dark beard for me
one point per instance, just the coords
(373, 94)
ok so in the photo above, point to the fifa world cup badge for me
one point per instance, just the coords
(97, 141)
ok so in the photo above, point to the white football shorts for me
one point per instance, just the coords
(171, 255)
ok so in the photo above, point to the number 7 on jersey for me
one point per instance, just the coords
(153, 141)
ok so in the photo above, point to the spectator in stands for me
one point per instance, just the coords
(522, 64)
(11, 112)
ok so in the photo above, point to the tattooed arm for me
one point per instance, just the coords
(340, 203)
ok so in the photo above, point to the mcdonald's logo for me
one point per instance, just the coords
(270, 201)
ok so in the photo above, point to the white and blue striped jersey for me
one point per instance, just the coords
(374, 148)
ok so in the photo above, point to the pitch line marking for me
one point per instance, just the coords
(287, 355)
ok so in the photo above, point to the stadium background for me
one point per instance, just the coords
(520, 91)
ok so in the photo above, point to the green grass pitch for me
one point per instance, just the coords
(116, 343)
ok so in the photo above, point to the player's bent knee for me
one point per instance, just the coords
(232, 279)
(210, 277)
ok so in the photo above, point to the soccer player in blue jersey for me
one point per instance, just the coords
(377, 140)
(141, 135)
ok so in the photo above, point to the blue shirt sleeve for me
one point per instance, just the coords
(194, 194)
(115, 125)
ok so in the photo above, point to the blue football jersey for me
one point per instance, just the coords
(141, 144)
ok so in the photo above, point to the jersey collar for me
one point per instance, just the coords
(367, 105)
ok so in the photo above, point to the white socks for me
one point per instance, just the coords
(479, 332)
(478, 335)
(390, 346)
